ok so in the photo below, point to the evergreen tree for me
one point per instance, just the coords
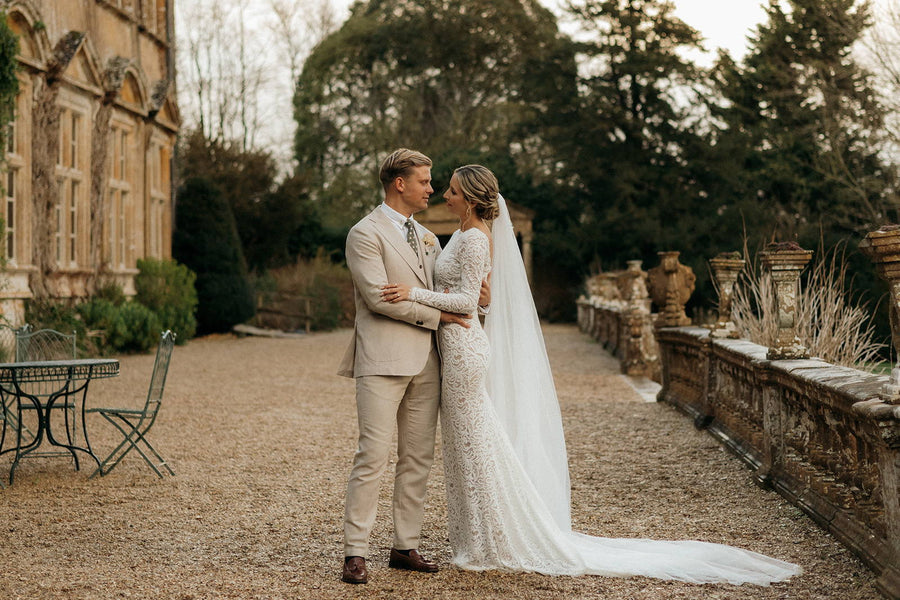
(802, 124)
(206, 241)
(630, 146)
(247, 183)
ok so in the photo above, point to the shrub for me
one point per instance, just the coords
(326, 285)
(103, 315)
(143, 327)
(111, 291)
(168, 289)
(131, 327)
(61, 316)
(50, 314)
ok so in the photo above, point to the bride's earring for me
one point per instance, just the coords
(462, 225)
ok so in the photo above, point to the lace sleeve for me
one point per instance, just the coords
(473, 256)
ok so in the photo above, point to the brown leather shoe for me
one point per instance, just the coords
(413, 562)
(355, 570)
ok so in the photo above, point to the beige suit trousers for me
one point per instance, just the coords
(411, 404)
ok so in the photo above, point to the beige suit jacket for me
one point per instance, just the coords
(388, 339)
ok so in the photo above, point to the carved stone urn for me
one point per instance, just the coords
(785, 261)
(726, 267)
(671, 285)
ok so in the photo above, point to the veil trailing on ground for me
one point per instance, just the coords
(519, 380)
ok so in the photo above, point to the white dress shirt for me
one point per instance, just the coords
(399, 220)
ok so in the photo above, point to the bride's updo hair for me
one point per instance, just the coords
(480, 188)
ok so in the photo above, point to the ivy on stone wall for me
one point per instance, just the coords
(9, 84)
(9, 88)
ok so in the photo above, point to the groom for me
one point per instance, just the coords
(395, 363)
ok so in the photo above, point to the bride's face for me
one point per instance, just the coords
(456, 203)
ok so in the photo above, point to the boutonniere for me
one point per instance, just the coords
(429, 240)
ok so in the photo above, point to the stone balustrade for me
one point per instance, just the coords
(825, 437)
(821, 435)
(616, 313)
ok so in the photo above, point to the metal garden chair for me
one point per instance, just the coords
(134, 424)
(7, 354)
(46, 344)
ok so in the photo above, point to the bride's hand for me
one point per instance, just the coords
(395, 292)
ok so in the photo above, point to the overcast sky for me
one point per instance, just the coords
(723, 23)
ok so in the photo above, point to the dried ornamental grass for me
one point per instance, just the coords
(829, 322)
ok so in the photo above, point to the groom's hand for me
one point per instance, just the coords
(395, 292)
(456, 318)
(484, 295)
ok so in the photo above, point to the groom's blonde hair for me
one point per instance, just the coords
(400, 163)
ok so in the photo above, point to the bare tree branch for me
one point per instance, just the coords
(239, 61)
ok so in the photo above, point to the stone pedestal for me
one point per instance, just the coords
(633, 287)
(671, 286)
(785, 261)
(883, 248)
(726, 268)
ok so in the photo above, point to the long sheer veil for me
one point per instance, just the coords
(519, 380)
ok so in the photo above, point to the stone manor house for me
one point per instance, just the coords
(88, 173)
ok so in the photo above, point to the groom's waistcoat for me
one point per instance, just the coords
(389, 339)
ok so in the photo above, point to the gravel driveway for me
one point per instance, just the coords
(261, 433)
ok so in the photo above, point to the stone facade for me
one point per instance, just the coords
(88, 186)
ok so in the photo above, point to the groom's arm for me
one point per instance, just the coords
(366, 263)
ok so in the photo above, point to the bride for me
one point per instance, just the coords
(505, 461)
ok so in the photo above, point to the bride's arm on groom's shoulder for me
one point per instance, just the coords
(366, 264)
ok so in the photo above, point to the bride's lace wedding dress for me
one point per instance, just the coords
(498, 518)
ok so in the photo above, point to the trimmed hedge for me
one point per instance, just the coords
(206, 240)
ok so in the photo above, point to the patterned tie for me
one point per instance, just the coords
(411, 236)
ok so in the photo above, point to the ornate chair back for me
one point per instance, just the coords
(46, 344)
(158, 378)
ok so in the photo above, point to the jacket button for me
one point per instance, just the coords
(419, 323)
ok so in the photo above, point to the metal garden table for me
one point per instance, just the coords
(73, 377)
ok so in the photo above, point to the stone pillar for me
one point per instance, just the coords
(883, 248)
(785, 261)
(726, 267)
(608, 290)
(633, 286)
(671, 286)
(581, 319)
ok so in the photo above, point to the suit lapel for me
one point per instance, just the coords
(389, 232)
(427, 256)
